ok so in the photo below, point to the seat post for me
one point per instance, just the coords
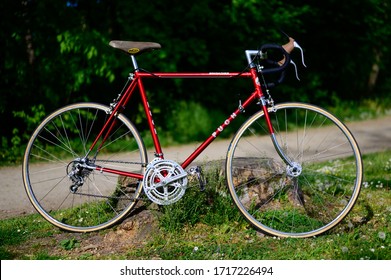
(134, 61)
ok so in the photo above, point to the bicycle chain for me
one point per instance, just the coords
(111, 197)
(125, 162)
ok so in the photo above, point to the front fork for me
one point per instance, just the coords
(265, 107)
(293, 168)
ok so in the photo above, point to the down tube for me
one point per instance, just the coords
(217, 132)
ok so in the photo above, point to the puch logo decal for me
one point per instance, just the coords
(224, 125)
(133, 50)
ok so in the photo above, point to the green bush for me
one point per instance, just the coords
(189, 121)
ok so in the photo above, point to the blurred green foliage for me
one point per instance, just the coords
(53, 53)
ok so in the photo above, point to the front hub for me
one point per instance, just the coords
(294, 170)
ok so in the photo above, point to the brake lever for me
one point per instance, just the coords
(302, 53)
(296, 45)
(294, 65)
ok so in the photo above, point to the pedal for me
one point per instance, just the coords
(197, 171)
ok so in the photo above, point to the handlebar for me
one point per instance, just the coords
(277, 67)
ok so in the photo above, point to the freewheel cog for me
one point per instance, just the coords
(165, 181)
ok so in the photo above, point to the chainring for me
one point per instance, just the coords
(165, 181)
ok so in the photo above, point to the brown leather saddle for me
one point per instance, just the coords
(134, 48)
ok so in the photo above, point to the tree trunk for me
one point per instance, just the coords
(28, 37)
(373, 75)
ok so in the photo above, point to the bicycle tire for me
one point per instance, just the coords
(56, 147)
(277, 201)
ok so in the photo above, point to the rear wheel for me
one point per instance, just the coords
(309, 197)
(65, 186)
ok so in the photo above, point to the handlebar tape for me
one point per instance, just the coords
(285, 61)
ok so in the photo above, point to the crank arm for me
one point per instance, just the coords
(170, 180)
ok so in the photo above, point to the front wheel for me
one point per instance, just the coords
(308, 197)
(60, 174)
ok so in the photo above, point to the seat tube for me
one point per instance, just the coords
(151, 124)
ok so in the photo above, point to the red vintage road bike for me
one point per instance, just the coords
(292, 169)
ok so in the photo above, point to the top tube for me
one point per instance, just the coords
(249, 56)
(172, 75)
(194, 75)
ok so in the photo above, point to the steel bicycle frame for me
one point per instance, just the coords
(136, 82)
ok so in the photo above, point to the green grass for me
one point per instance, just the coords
(363, 110)
(206, 225)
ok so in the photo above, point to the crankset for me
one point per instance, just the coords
(165, 181)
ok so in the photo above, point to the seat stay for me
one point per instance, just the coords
(120, 106)
(114, 111)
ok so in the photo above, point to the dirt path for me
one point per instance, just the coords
(372, 136)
